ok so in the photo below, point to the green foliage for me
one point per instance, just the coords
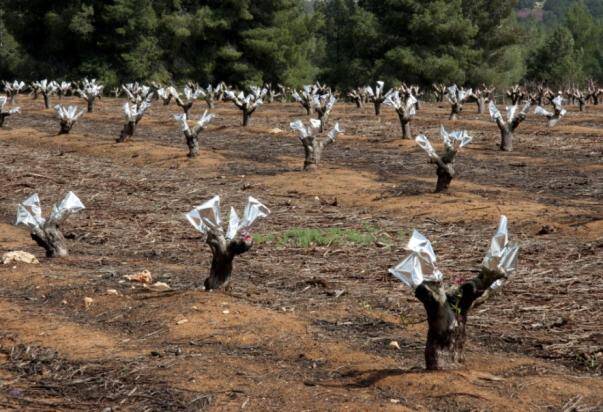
(345, 43)
(308, 237)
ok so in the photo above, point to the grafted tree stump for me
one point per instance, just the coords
(445, 170)
(90, 104)
(313, 149)
(405, 124)
(507, 128)
(447, 313)
(2, 117)
(223, 254)
(127, 131)
(51, 239)
(66, 126)
(455, 111)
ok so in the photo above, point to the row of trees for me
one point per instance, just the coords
(342, 42)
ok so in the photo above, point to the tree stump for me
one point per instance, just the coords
(223, 254)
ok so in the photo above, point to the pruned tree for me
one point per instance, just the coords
(207, 219)
(453, 143)
(483, 95)
(133, 114)
(46, 89)
(192, 135)
(448, 308)
(221, 90)
(377, 96)
(271, 93)
(579, 96)
(313, 145)
(594, 92)
(187, 98)
(13, 89)
(507, 127)
(322, 105)
(538, 94)
(116, 92)
(404, 103)
(166, 94)
(46, 233)
(247, 103)
(552, 117)
(457, 98)
(67, 117)
(284, 92)
(416, 92)
(440, 90)
(4, 113)
(305, 97)
(90, 90)
(64, 89)
(137, 93)
(358, 96)
(211, 94)
(516, 93)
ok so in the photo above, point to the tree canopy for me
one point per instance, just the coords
(345, 43)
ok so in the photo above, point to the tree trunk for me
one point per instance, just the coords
(377, 104)
(581, 104)
(223, 253)
(210, 103)
(444, 178)
(313, 153)
(358, 103)
(46, 100)
(65, 127)
(246, 117)
(51, 239)
(456, 110)
(481, 103)
(90, 105)
(447, 317)
(506, 139)
(126, 132)
(192, 142)
(308, 109)
(405, 124)
(2, 117)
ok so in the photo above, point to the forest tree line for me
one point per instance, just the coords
(344, 43)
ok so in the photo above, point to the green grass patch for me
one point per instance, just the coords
(309, 237)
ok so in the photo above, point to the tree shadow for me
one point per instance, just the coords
(367, 378)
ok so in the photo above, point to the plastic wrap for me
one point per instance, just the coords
(424, 143)
(502, 255)
(69, 113)
(29, 212)
(69, 205)
(334, 131)
(420, 265)
(494, 112)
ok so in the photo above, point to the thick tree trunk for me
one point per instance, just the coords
(481, 104)
(444, 178)
(65, 127)
(46, 100)
(455, 111)
(90, 105)
(358, 102)
(506, 139)
(447, 317)
(2, 117)
(377, 104)
(223, 253)
(581, 104)
(246, 117)
(51, 239)
(192, 142)
(127, 131)
(405, 125)
(210, 103)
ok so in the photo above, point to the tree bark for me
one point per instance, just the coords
(51, 239)
(447, 317)
(46, 100)
(405, 124)
(506, 139)
(126, 132)
(223, 253)
(377, 104)
(2, 117)
(581, 103)
(246, 117)
(192, 141)
(65, 127)
(455, 111)
(90, 105)
(481, 104)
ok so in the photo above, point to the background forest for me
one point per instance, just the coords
(345, 43)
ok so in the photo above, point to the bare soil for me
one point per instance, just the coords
(284, 336)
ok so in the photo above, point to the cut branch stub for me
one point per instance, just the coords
(313, 145)
(453, 142)
(447, 308)
(46, 232)
(207, 219)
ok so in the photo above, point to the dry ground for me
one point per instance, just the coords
(285, 337)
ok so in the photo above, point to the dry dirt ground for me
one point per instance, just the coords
(303, 327)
